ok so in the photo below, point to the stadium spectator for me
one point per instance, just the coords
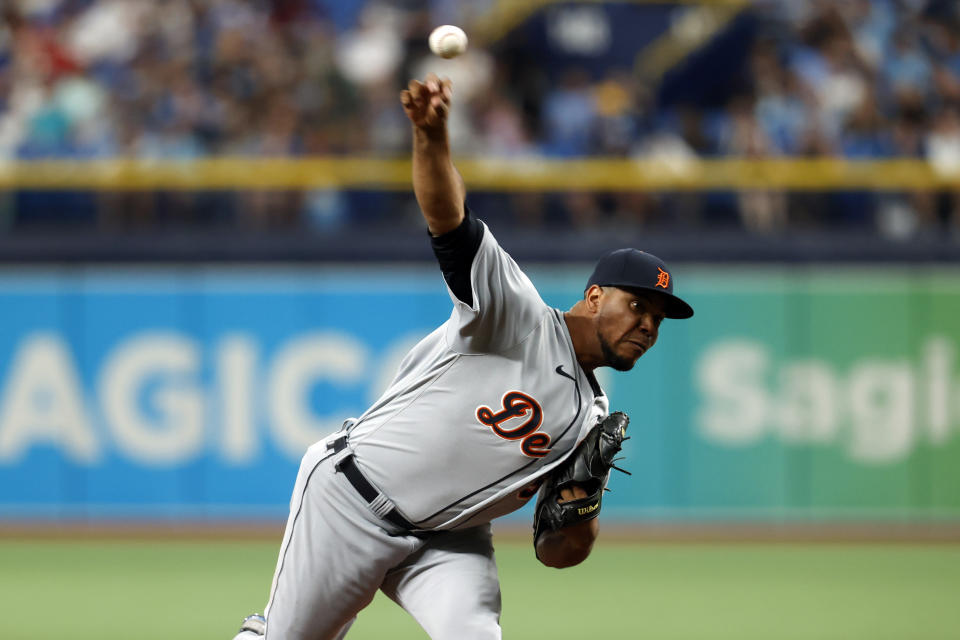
(181, 79)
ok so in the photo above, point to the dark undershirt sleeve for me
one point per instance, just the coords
(455, 251)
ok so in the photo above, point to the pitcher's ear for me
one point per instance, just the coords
(592, 296)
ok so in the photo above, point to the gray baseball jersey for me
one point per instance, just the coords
(480, 408)
(479, 411)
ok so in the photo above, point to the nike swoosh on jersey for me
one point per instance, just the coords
(560, 370)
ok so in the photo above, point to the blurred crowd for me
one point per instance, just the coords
(180, 79)
(857, 79)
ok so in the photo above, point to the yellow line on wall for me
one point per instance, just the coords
(485, 174)
(691, 31)
(505, 15)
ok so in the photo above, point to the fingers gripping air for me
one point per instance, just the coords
(588, 467)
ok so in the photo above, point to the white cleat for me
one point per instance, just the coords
(253, 625)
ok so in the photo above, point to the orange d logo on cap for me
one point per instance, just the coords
(663, 279)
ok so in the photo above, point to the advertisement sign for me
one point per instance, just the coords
(192, 392)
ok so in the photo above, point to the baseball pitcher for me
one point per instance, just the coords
(496, 404)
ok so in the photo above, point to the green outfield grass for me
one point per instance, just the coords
(140, 590)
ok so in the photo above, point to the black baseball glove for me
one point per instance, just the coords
(587, 467)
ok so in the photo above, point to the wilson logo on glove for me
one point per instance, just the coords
(517, 404)
(585, 510)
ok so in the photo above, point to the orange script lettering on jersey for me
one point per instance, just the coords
(517, 404)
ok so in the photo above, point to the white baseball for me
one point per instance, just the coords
(448, 41)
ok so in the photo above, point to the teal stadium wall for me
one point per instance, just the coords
(795, 393)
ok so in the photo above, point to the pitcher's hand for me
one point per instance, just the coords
(427, 103)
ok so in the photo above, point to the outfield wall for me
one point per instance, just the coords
(794, 394)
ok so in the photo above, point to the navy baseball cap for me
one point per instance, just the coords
(635, 269)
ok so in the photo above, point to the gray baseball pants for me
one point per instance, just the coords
(336, 553)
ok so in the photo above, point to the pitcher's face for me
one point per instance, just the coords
(628, 323)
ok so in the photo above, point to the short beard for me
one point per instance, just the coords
(610, 357)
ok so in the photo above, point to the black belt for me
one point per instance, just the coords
(366, 490)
